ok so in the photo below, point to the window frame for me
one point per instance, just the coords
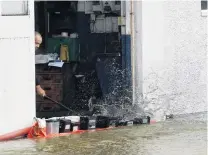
(204, 12)
(26, 9)
(203, 3)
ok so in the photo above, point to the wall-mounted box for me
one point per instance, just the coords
(97, 7)
(105, 25)
(99, 25)
(88, 7)
(81, 6)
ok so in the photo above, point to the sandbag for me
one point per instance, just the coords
(38, 130)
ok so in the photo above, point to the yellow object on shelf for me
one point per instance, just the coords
(64, 53)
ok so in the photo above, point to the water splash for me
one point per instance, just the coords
(155, 102)
(117, 103)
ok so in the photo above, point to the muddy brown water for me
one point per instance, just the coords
(184, 135)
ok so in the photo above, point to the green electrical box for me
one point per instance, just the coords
(54, 45)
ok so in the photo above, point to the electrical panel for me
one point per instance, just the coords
(100, 7)
(97, 7)
(108, 6)
(102, 24)
(88, 7)
(111, 24)
(111, 6)
(98, 10)
(115, 24)
(108, 24)
(117, 6)
(97, 24)
(81, 6)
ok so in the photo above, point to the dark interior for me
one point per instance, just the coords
(96, 55)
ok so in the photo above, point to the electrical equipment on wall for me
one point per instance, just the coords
(100, 11)
(117, 6)
(108, 6)
(87, 7)
(102, 24)
(81, 6)
(111, 6)
(97, 24)
(97, 7)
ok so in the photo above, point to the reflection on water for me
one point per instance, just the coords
(185, 135)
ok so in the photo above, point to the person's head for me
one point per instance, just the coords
(38, 40)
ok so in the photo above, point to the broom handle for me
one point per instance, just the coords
(57, 103)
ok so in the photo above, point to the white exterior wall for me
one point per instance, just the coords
(17, 80)
(174, 57)
(186, 43)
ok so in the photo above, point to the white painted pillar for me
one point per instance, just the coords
(152, 52)
(137, 56)
(123, 13)
(130, 31)
(127, 15)
(17, 92)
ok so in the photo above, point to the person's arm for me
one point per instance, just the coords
(39, 90)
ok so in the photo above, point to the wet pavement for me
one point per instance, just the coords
(184, 135)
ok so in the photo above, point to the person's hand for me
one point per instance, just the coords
(40, 91)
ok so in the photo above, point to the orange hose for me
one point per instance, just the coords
(25, 131)
(15, 134)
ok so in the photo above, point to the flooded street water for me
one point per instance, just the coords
(185, 135)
